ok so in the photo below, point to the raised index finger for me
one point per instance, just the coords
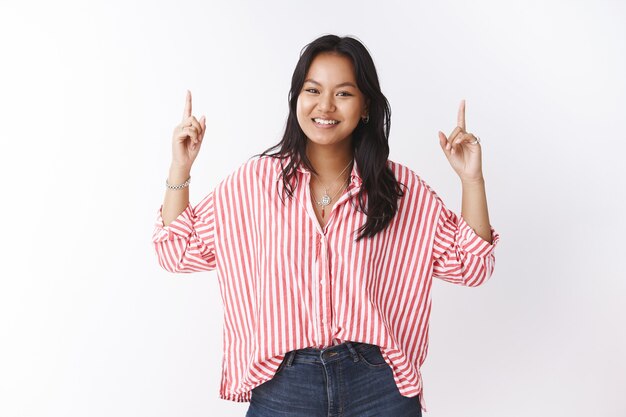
(460, 120)
(187, 111)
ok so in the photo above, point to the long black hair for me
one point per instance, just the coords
(370, 141)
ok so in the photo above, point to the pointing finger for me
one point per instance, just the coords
(187, 111)
(461, 115)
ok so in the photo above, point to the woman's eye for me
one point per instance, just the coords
(316, 91)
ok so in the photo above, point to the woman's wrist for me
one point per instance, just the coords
(178, 175)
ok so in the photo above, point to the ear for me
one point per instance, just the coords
(366, 108)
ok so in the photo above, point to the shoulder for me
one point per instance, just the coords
(412, 181)
(405, 175)
(256, 170)
(402, 172)
(257, 166)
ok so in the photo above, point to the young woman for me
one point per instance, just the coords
(326, 249)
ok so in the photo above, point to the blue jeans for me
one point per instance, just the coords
(347, 380)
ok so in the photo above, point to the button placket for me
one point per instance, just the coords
(317, 246)
(324, 289)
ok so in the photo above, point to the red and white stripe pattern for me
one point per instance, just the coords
(289, 284)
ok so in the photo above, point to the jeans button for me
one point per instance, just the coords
(329, 354)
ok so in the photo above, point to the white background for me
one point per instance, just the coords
(90, 94)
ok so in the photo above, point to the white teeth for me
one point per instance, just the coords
(326, 122)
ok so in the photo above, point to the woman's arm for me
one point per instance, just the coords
(186, 141)
(175, 201)
(183, 235)
(464, 154)
(474, 208)
(187, 243)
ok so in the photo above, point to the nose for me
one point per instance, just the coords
(326, 103)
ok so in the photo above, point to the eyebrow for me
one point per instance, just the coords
(347, 83)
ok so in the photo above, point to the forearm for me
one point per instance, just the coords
(474, 208)
(175, 201)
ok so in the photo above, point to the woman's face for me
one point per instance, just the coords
(330, 104)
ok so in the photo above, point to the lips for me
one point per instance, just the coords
(321, 122)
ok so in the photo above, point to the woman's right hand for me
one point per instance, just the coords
(187, 138)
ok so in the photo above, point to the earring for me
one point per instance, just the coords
(366, 119)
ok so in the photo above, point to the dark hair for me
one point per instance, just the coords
(370, 141)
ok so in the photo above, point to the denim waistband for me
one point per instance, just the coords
(329, 354)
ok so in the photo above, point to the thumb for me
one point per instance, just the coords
(443, 142)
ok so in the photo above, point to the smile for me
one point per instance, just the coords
(325, 122)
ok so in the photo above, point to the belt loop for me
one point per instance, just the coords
(290, 356)
(355, 355)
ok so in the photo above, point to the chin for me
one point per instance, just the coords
(326, 141)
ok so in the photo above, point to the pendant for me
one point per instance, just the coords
(324, 202)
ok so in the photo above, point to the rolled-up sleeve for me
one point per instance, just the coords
(460, 255)
(187, 244)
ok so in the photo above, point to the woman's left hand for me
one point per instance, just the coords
(463, 155)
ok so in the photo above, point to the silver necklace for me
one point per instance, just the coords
(326, 199)
(320, 203)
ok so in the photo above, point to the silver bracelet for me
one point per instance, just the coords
(179, 186)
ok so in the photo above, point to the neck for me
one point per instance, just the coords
(329, 161)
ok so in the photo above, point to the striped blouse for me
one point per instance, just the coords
(287, 283)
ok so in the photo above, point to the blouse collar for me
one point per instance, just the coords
(355, 176)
